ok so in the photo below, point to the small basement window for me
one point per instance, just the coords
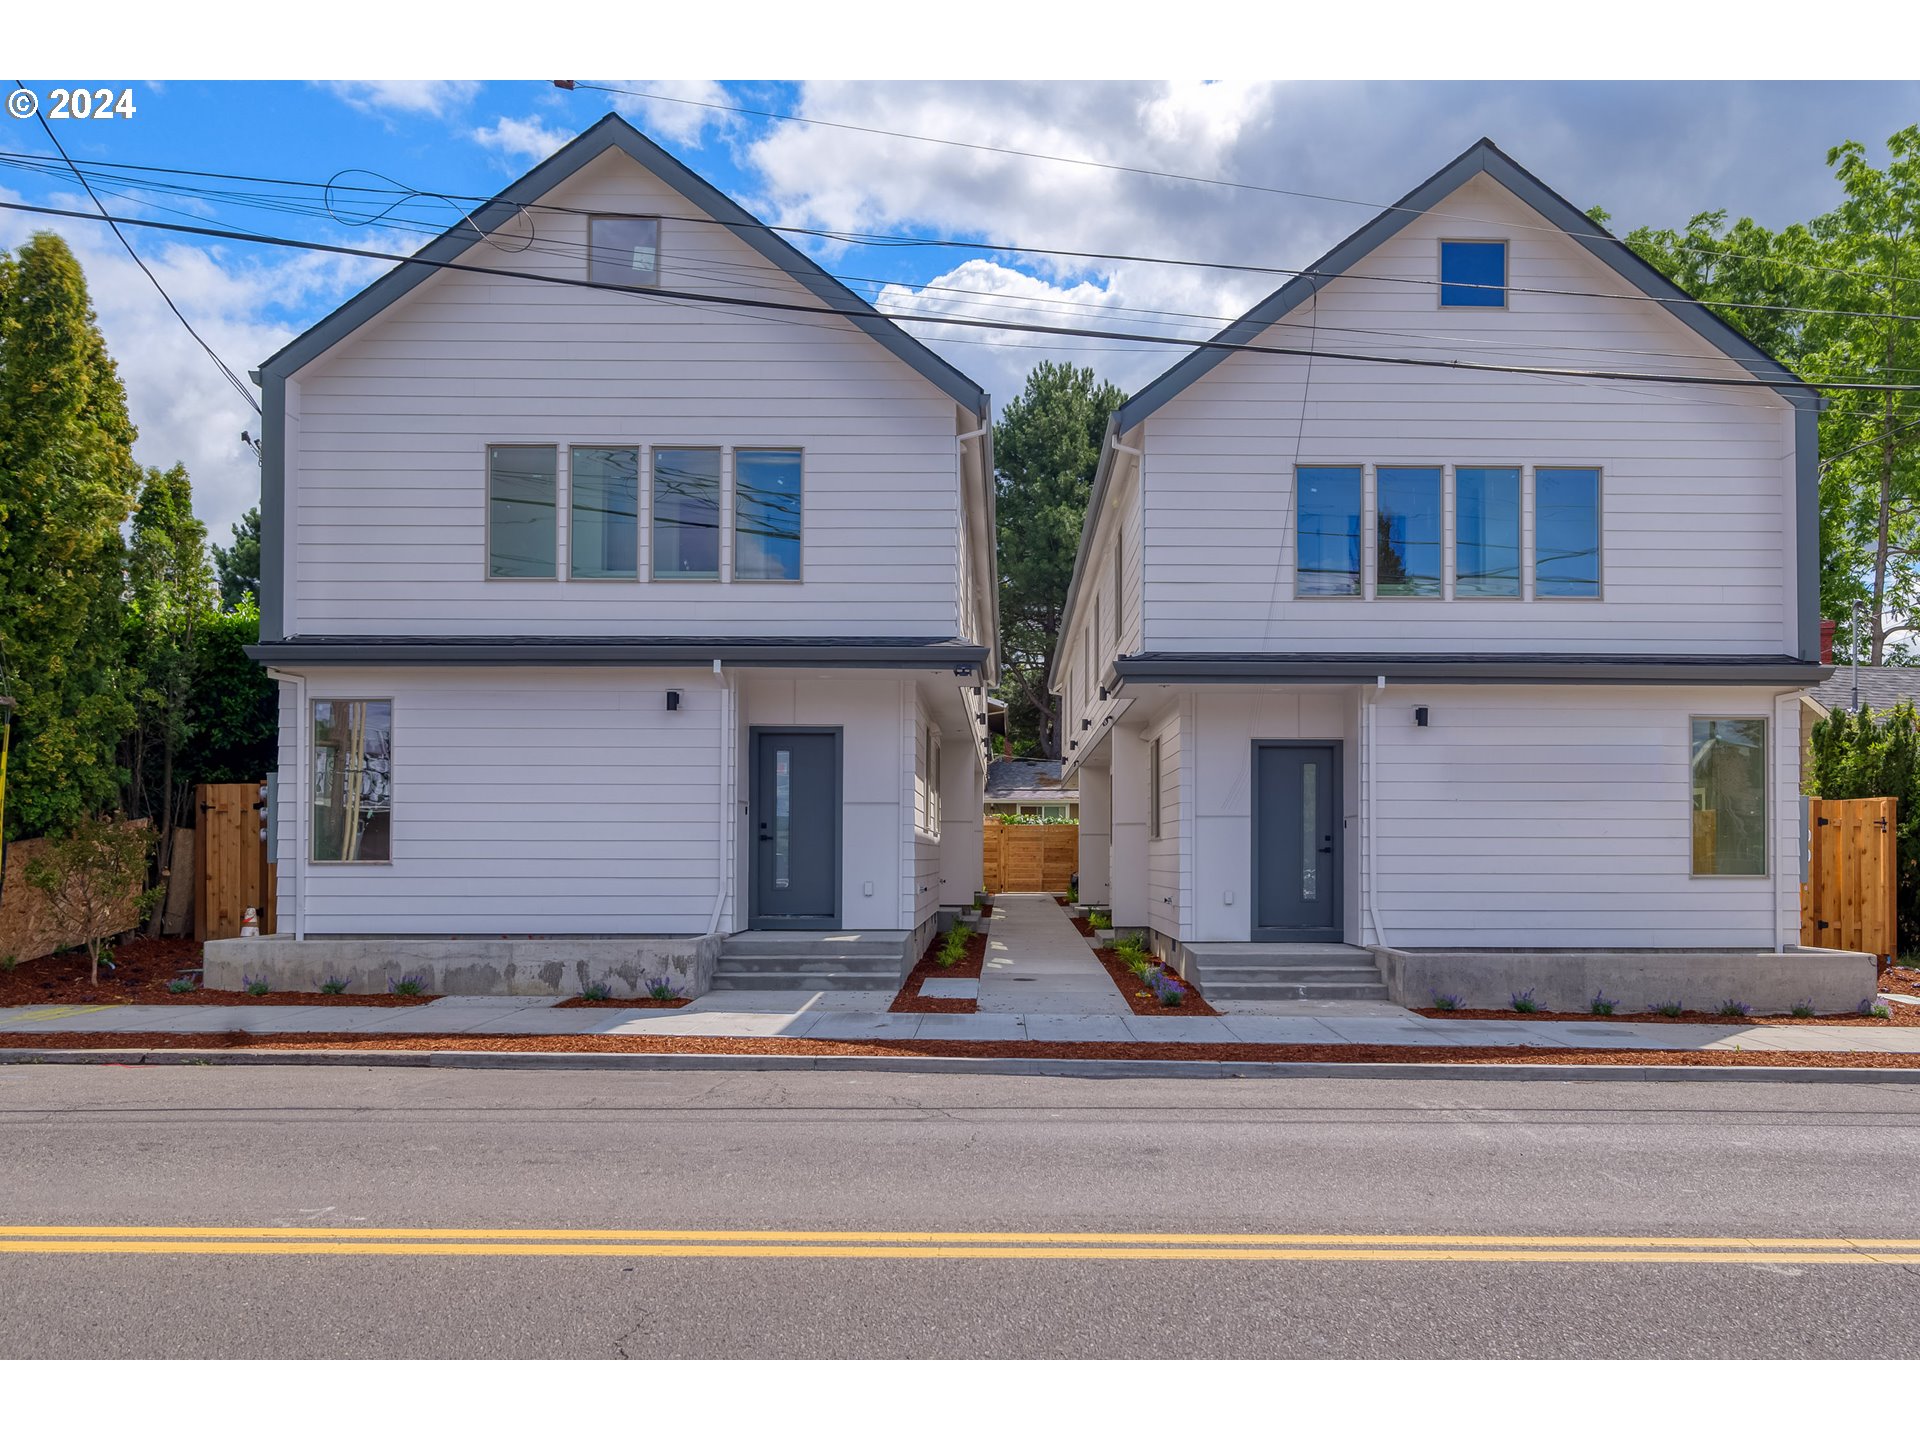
(623, 250)
(1473, 274)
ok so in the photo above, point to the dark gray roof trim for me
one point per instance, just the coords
(1484, 157)
(611, 132)
(1187, 668)
(833, 652)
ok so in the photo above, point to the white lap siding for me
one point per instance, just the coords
(528, 801)
(1563, 817)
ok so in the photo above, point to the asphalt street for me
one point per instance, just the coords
(947, 1216)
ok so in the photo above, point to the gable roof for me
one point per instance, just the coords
(1881, 687)
(611, 132)
(1032, 781)
(1483, 157)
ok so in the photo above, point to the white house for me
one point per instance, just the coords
(1485, 661)
(629, 585)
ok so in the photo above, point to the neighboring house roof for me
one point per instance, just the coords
(1881, 687)
(1029, 782)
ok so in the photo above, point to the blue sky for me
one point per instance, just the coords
(1650, 152)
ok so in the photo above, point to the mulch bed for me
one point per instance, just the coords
(1901, 980)
(976, 1049)
(644, 1002)
(1083, 925)
(911, 1002)
(141, 970)
(1141, 998)
(1908, 1015)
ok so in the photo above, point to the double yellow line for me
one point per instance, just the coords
(953, 1245)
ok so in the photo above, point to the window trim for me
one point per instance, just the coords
(1360, 559)
(659, 249)
(561, 501)
(1155, 783)
(312, 771)
(1373, 528)
(733, 512)
(1439, 271)
(1765, 873)
(644, 465)
(1599, 536)
(1451, 524)
(722, 557)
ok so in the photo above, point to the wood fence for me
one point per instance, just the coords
(1020, 858)
(230, 870)
(1850, 898)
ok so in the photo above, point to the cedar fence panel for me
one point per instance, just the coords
(1028, 858)
(230, 860)
(1850, 898)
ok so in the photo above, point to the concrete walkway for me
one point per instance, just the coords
(1037, 963)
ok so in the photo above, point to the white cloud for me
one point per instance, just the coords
(663, 119)
(418, 97)
(527, 139)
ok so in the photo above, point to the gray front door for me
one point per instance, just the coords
(1296, 840)
(794, 812)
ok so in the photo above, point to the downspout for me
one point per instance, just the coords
(1371, 783)
(723, 775)
(302, 798)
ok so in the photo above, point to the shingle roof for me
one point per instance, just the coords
(1881, 687)
(1032, 781)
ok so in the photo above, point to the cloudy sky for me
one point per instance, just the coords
(1648, 152)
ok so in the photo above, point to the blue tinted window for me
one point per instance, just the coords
(1407, 545)
(766, 515)
(1486, 541)
(1473, 273)
(686, 514)
(1329, 530)
(1566, 533)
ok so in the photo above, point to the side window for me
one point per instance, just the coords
(1153, 790)
(603, 514)
(522, 511)
(1473, 274)
(352, 781)
(766, 514)
(686, 514)
(623, 250)
(1328, 527)
(1408, 526)
(1486, 531)
(1566, 533)
(1729, 796)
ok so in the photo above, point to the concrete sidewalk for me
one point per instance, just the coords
(857, 1015)
(1038, 964)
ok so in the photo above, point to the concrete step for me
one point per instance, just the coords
(1287, 974)
(808, 962)
(805, 980)
(1291, 990)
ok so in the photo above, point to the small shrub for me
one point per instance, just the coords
(1073, 895)
(1735, 1009)
(662, 989)
(1099, 919)
(9, 962)
(598, 990)
(1670, 1008)
(333, 985)
(1445, 1002)
(1600, 1004)
(93, 880)
(255, 987)
(1875, 1009)
(408, 985)
(181, 986)
(1523, 1001)
(1166, 986)
(1802, 1010)
(1139, 965)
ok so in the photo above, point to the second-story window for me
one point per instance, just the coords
(522, 512)
(766, 514)
(1473, 274)
(1486, 527)
(1329, 530)
(686, 514)
(1566, 533)
(1409, 530)
(623, 250)
(603, 514)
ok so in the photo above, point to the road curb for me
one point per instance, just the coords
(961, 1065)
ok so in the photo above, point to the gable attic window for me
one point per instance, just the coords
(1473, 274)
(623, 250)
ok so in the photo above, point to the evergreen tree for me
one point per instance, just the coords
(67, 484)
(239, 563)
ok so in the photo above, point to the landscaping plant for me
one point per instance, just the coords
(333, 985)
(408, 985)
(1735, 1009)
(1445, 1002)
(1875, 1009)
(1523, 1001)
(181, 986)
(255, 987)
(663, 989)
(1600, 1005)
(8, 962)
(1100, 919)
(1803, 1010)
(94, 878)
(1672, 1009)
(598, 990)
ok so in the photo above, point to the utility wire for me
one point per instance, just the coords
(239, 385)
(868, 313)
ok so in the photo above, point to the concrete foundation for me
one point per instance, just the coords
(1771, 982)
(556, 965)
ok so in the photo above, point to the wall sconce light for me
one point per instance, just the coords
(1420, 716)
(1103, 692)
(673, 699)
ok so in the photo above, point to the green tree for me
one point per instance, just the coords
(67, 484)
(1045, 446)
(231, 724)
(1857, 756)
(94, 877)
(1833, 298)
(239, 563)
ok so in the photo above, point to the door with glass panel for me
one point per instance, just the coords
(794, 815)
(1296, 840)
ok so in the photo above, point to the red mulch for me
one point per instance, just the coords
(644, 1002)
(1901, 980)
(1083, 925)
(141, 969)
(1901, 1015)
(911, 1002)
(977, 1049)
(1142, 998)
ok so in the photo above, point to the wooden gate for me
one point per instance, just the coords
(1028, 858)
(230, 868)
(1848, 901)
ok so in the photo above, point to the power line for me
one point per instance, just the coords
(868, 313)
(234, 380)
